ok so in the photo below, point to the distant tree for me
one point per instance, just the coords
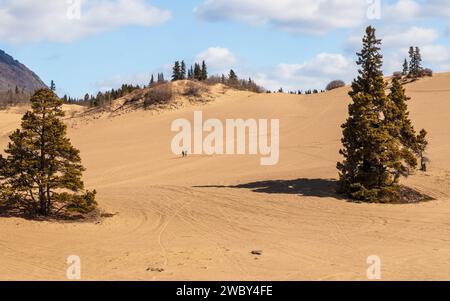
(232, 78)
(176, 71)
(52, 86)
(415, 65)
(335, 84)
(405, 68)
(42, 173)
(161, 78)
(420, 148)
(197, 72)
(204, 72)
(190, 74)
(152, 81)
(183, 71)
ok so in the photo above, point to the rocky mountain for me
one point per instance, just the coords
(13, 73)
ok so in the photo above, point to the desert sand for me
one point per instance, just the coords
(199, 218)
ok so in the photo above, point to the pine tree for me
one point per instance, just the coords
(232, 78)
(396, 119)
(176, 71)
(372, 156)
(191, 73)
(204, 72)
(197, 72)
(415, 65)
(405, 67)
(183, 71)
(418, 60)
(420, 148)
(42, 166)
(152, 81)
(52, 86)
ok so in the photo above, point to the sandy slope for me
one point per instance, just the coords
(178, 215)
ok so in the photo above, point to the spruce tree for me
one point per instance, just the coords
(204, 72)
(176, 73)
(52, 86)
(396, 118)
(42, 172)
(183, 71)
(418, 62)
(197, 72)
(405, 67)
(372, 156)
(420, 148)
(152, 81)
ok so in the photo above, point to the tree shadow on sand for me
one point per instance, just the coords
(323, 188)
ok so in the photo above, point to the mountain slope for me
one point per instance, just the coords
(13, 73)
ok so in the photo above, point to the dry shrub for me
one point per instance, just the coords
(426, 72)
(335, 84)
(194, 89)
(160, 94)
(398, 75)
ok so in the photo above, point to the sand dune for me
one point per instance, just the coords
(200, 218)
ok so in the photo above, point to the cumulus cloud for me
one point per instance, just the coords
(57, 20)
(300, 16)
(218, 58)
(312, 74)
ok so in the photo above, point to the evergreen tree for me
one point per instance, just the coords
(161, 78)
(52, 86)
(418, 60)
(197, 72)
(372, 156)
(396, 119)
(42, 166)
(232, 78)
(176, 71)
(191, 73)
(415, 65)
(183, 71)
(420, 148)
(405, 67)
(152, 81)
(204, 72)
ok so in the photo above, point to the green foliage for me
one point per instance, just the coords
(415, 65)
(42, 172)
(204, 72)
(176, 71)
(378, 137)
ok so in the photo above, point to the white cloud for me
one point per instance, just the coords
(218, 59)
(302, 16)
(48, 20)
(312, 74)
(402, 10)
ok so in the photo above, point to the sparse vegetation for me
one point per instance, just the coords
(335, 84)
(159, 94)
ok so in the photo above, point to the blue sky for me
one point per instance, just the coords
(297, 44)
